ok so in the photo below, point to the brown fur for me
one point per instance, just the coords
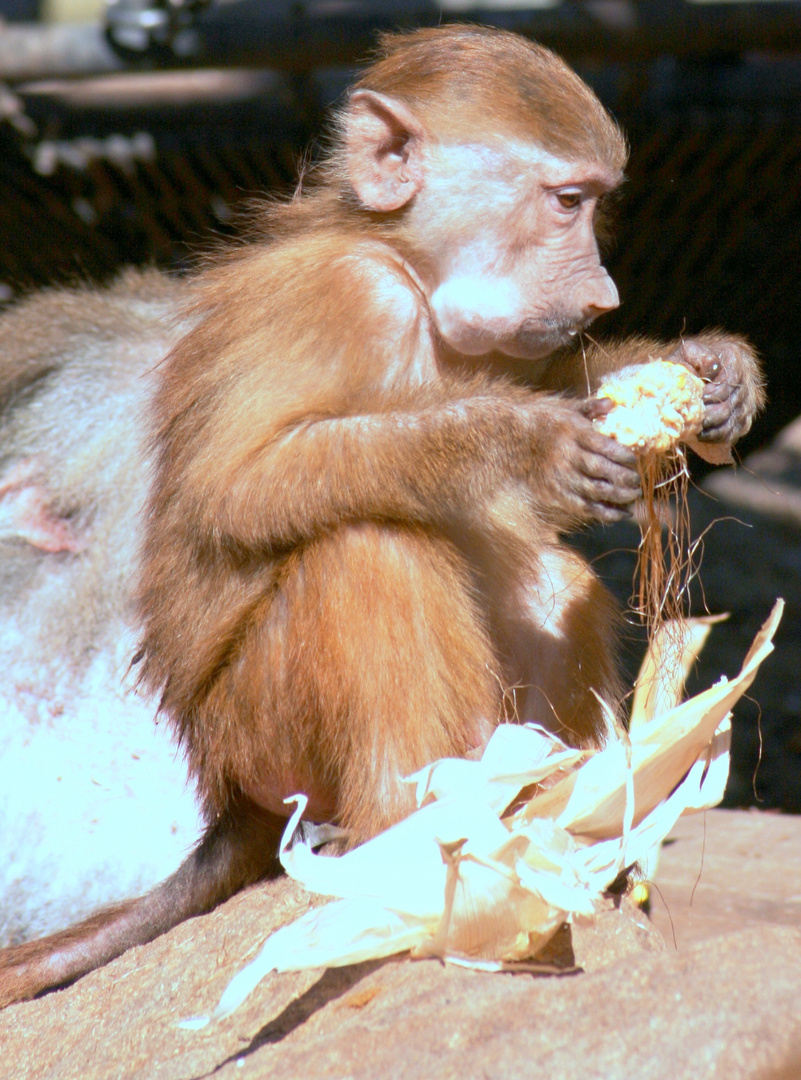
(448, 75)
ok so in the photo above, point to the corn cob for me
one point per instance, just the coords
(656, 405)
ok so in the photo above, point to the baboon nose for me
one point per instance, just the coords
(604, 297)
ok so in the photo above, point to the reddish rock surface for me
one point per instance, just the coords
(722, 1003)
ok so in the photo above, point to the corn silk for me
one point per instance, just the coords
(656, 406)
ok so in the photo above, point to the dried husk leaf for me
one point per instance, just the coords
(663, 750)
(672, 653)
(466, 881)
(714, 453)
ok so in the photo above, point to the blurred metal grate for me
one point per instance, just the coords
(708, 236)
(707, 230)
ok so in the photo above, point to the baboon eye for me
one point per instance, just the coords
(569, 199)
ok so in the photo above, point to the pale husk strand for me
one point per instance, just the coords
(660, 683)
(464, 880)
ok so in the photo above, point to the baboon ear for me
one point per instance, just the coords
(383, 140)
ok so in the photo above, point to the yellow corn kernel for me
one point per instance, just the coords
(656, 405)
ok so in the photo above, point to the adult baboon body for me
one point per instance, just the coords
(94, 802)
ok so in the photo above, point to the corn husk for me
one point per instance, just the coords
(670, 657)
(484, 872)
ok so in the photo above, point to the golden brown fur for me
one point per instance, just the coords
(237, 509)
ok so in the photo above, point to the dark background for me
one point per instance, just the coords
(147, 150)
